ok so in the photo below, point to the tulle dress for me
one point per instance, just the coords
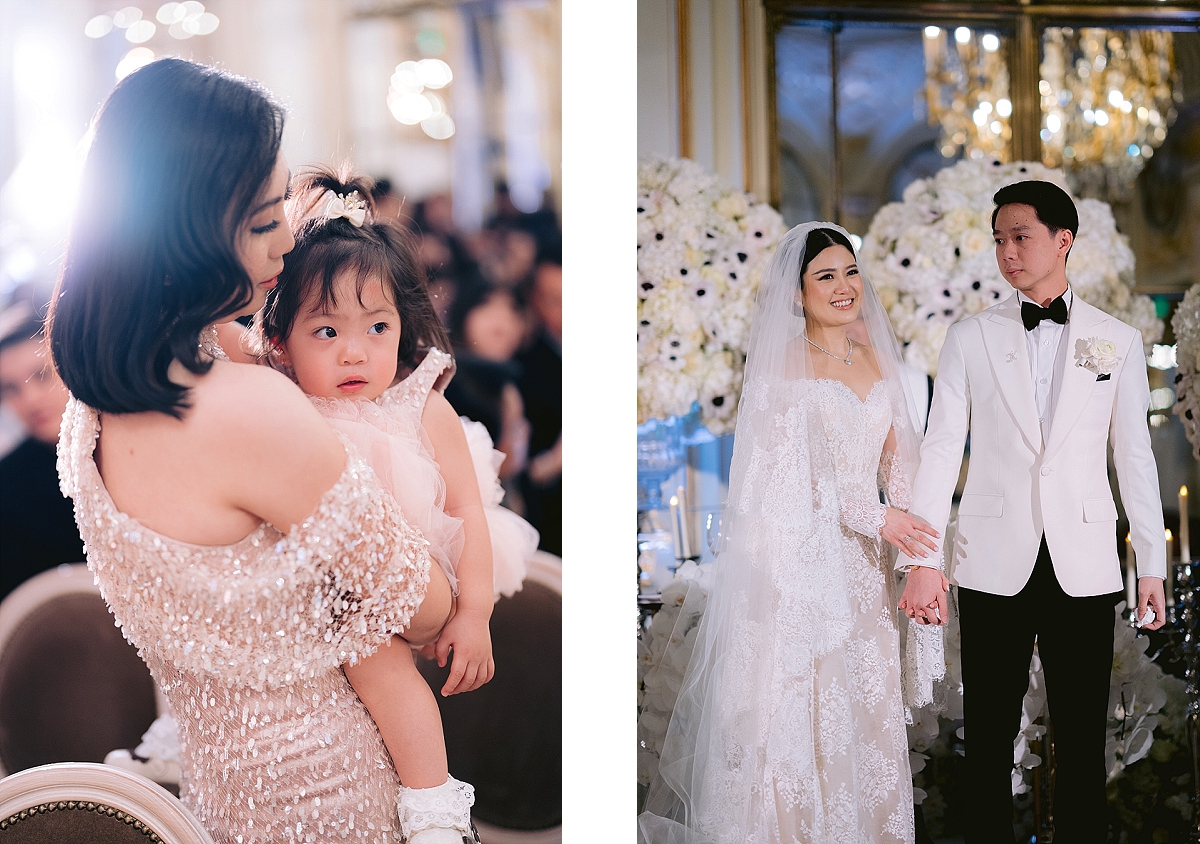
(389, 434)
(247, 642)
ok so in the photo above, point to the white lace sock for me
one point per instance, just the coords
(438, 815)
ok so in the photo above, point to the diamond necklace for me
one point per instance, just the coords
(845, 360)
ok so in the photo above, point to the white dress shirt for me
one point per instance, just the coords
(1044, 344)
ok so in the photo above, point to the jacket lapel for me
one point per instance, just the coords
(1075, 384)
(1004, 338)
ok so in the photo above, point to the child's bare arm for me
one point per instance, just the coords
(467, 633)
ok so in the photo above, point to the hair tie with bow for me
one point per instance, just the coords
(351, 206)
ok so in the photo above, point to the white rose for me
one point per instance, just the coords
(1096, 354)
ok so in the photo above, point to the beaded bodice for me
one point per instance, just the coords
(247, 642)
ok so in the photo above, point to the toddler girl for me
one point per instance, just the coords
(351, 321)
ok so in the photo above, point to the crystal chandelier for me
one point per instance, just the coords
(1107, 99)
(966, 91)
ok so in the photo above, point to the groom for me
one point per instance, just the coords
(1043, 383)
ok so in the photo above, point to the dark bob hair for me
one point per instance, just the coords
(818, 241)
(180, 152)
(326, 247)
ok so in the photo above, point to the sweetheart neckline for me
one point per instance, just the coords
(861, 399)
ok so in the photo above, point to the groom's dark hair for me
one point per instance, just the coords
(1053, 206)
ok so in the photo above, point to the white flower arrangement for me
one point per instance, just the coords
(932, 256)
(1186, 325)
(702, 248)
(1096, 354)
(663, 656)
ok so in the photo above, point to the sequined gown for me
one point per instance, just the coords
(390, 435)
(247, 642)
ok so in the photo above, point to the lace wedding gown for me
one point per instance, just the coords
(800, 737)
(247, 642)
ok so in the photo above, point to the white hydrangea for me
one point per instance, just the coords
(702, 248)
(932, 260)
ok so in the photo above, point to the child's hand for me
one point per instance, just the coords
(467, 633)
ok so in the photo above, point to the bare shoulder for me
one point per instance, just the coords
(257, 419)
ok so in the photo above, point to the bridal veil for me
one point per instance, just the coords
(741, 735)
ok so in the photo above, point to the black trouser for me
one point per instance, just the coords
(1075, 642)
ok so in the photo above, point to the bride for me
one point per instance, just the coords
(790, 724)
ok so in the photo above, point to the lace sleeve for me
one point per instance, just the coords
(894, 482)
(865, 517)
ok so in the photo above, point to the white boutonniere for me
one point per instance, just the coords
(1096, 354)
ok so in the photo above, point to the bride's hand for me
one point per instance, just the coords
(924, 597)
(912, 536)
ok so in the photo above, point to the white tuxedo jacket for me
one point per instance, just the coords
(1019, 486)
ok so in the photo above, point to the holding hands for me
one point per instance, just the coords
(924, 597)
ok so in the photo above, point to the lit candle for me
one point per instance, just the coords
(1170, 583)
(1130, 575)
(1185, 551)
(675, 538)
(685, 531)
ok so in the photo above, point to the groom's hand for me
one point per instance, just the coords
(924, 597)
(1151, 594)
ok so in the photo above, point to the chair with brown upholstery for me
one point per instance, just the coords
(506, 737)
(71, 687)
(92, 804)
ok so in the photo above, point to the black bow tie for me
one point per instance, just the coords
(1032, 314)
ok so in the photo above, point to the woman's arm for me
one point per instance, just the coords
(280, 457)
(467, 632)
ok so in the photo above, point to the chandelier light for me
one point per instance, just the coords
(966, 92)
(410, 102)
(1108, 98)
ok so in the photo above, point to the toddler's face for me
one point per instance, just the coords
(347, 351)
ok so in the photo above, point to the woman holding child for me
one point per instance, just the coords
(249, 551)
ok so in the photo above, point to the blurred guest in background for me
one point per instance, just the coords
(541, 390)
(388, 206)
(37, 524)
(487, 326)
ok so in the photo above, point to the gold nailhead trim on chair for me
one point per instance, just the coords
(98, 808)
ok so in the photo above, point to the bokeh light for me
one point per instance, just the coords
(410, 109)
(438, 126)
(135, 58)
(127, 17)
(434, 73)
(98, 26)
(140, 32)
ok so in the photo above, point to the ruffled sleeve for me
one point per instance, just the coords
(268, 610)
